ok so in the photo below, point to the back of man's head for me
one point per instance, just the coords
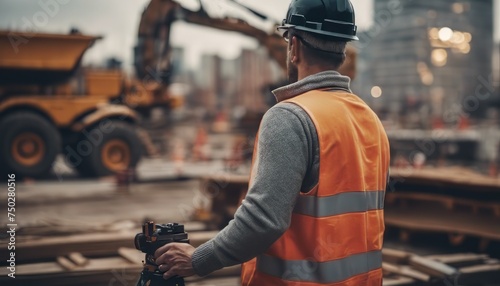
(321, 51)
(323, 27)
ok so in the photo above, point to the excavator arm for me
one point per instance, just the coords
(153, 50)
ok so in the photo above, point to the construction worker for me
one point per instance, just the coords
(313, 214)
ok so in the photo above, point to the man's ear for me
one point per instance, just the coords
(294, 50)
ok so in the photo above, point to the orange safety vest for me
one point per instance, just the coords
(336, 231)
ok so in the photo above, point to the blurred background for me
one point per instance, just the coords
(115, 113)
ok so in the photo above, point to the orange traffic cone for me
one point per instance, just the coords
(463, 123)
(178, 156)
(493, 170)
(437, 123)
(199, 143)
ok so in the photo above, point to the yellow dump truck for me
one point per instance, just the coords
(49, 105)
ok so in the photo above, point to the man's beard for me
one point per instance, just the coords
(292, 70)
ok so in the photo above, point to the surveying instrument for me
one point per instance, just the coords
(154, 236)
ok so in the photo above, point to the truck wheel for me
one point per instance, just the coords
(118, 150)
(29, 144)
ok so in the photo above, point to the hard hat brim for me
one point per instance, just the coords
(285, 28)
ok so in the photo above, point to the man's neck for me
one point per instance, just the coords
(305, 71)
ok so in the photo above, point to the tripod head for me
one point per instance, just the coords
(154, 236)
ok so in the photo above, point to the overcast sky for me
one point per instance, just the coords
(118, 20)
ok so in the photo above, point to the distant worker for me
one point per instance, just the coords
(313, 214)
(200, 145)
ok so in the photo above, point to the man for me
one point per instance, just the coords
(313, 214)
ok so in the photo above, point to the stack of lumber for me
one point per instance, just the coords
(75, 269)
(91, 245)
(455, 202)
(94, 259)
(457, 178)
(450, 269)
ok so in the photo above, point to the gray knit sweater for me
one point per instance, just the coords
(287, 163)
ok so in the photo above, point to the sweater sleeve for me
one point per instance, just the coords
(283, 157)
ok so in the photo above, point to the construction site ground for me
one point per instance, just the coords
(56, 208)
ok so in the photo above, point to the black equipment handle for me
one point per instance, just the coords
(156, 279)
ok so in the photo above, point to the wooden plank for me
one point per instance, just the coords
(131, 255)
(55, 267)
(226, 281)
(456, 177)
(228, 271)
(398, 281)
(78, 259)
(432, 267)
(66, 264)
(90, 245)
(198, 238)
(405, 271)
(480, 273)
(395, 256)
(110, 276)
(448, 201)
(115, 262)
(233, 271)
(93, 244)
(491, 261)
(460, 259)
(442, 221)
(102, 271)
(43, 267)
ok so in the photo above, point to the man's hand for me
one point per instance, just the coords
(175, 260)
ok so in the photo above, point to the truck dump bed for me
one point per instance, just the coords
(35, 58)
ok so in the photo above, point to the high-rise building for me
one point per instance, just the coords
(362, 83)
(254, 71)
(496, 74)
(429, 57)
(177, 60)
(208, 78)
(496, 64)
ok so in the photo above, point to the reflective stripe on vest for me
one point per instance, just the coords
(340, 203)
(320, 272)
